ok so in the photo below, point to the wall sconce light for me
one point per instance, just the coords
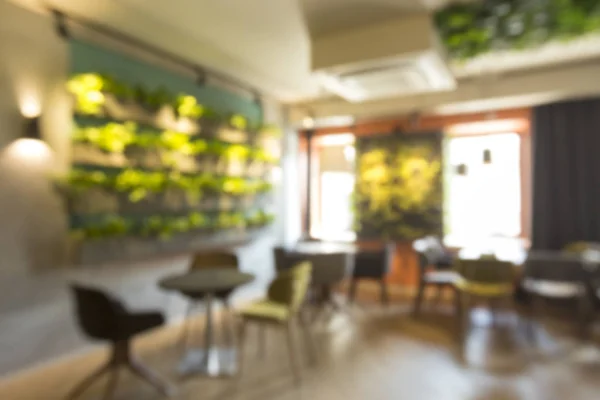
(487, 156)
(31, 128)
(461, 169)
(350, 153)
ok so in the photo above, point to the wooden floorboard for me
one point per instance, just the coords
(365, 352)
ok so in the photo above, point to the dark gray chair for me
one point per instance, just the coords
(435, 270)
(104, 318)
(374, 265)
(559, 277)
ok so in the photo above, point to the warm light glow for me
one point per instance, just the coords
(335, 139)
(308, 123)
(30, 152)
(484, 127)
(30, 107)
(276, 174)
(350, 153)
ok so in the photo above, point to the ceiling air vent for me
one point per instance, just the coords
(396, 58)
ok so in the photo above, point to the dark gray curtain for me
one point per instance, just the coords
(566, 173)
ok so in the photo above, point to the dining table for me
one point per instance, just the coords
(332, 263)
(209, 360)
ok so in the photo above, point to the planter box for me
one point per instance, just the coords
(94, 200)
(84, 153)
(130, 248)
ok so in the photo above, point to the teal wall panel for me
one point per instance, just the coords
(88, 57)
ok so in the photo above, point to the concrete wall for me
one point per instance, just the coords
(36, 324)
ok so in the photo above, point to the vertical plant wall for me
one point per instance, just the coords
(154, 155)
(399, 190)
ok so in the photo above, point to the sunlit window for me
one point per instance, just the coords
(483, 189)
(336, 205)
(333, 186)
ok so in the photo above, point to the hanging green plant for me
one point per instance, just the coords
(80, 180)
(471, 29)
(238, 122)
(87, 89)
(112, 137)
(177, 141)
(187, 106)
(237, 152)
(259, 218)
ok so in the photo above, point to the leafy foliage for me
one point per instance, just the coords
(115, 137)
(138, 184)
(471, 29)
(88, 92)
(399, 186)
(187, 106)
(165, 226)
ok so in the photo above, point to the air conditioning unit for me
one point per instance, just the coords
(395, 58)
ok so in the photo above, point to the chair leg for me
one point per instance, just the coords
(292, 351)
(465, 323)
(227, 323)
(493, 303)
(262, 341)
(187, 322)
(531, 309)
(112, 384)
(418, 299)
(152, 378)
(584, 315)
(84, 384)
(308, 339)
(241, 347)
(439, 289)
(385, 300)
(458, 304)
(352, 290)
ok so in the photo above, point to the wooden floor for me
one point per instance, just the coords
(366, 352)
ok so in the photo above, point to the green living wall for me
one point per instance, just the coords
(399, 186)
(154, 154)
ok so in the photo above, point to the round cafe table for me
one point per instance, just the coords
(209, 360)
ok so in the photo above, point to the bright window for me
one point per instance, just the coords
(333, 187)
(483, 199)
(336, 205)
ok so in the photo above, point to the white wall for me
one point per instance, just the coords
(36, 324)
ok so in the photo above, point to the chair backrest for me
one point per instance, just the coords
(214, 259)
(290, 286)
(328, 269)
(284, 259)
(486, 271)
(374, 263)
(555, 267)
(97, 312)
(433, 249)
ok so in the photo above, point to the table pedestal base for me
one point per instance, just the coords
(218, 361)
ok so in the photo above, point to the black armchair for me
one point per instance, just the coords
(102, 317)
(373, 264)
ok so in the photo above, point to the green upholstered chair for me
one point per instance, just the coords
(209, 259)
(486, 279)
(281, 307)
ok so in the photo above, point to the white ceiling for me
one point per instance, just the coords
(267, 42)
